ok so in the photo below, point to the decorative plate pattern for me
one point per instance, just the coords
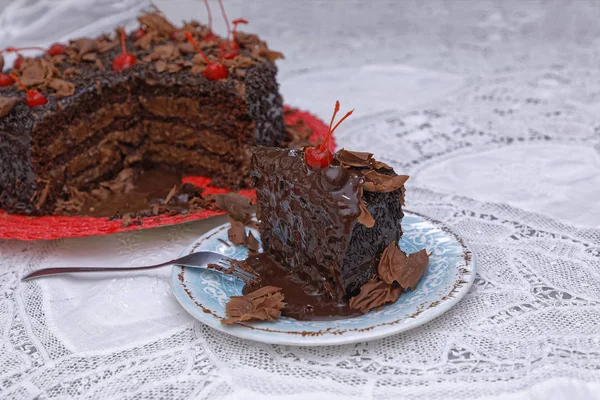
(449, 275)
(23, 227)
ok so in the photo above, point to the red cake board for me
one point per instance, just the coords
(46, 228)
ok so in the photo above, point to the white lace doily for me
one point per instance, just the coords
(492, 107)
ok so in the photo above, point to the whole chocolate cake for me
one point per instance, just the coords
(116, 114)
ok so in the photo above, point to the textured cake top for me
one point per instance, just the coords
(157, 52)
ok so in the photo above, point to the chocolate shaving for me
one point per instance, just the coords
(160, 65)
(90, 57)
(373, 294)
(155, 22)
(62, 88)
(395, 266)
(186, 48)
(126, 221)
(1, 62)
(174, 68)
(376, 182)
(365, 216)
(37, 71)
(105, 45)
(252, 244)
(360, 159)
(163, 52)
(238, 207)
(197, 69)
(145, 41)
(7, 104)
(171, 194)
(198, 60)
(70, 72)
(237, 232)
(416, 266)
(263, 304)
(391, 264)
(85, 46)
(43, 196)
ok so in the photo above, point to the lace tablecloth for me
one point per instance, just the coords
(492, 107)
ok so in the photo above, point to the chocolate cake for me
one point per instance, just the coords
(99, 111)
(326, 224)
(330, 226)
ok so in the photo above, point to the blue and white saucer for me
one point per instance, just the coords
(450, 273)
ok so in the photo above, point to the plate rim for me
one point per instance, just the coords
(324, 339)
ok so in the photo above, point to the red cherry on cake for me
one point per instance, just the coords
(5, 80)
(124, 60)
(317, 158)
(33, 98)
(18, 62)
(211, 35)
(321, 156)
(229, 54)
(57, 49)
(214, 70)
(229, 50)
(140, 33)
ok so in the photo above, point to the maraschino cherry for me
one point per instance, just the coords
(33, 97)
(139, 33)
(232, 49)
(5, 80)
(124, 60)
(214, 70)
(321, 156)
(56, 49)
(210, 36)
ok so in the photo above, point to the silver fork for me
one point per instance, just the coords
(201, 259)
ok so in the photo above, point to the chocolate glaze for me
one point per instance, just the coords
(309, 221)
(304, 299)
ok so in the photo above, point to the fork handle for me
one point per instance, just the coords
(58, 271)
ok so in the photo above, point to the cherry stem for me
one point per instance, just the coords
(123, 47)
(325, 145)
(209, 15)
(225, 17)
(14, 78)
(193, 42)
(335, 111)
(15, 50)
(349, 113)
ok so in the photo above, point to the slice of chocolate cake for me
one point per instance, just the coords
(329, 225)
(149, 102)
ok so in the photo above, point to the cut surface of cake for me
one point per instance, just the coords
(102, 123)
